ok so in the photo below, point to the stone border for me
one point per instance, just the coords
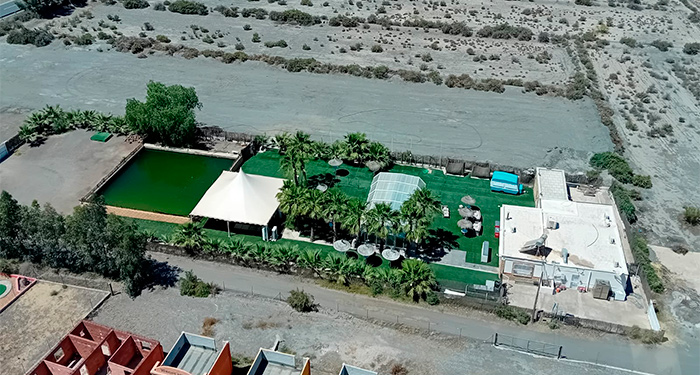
(192, 151)
(87, 197)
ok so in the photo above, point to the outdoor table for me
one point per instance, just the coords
(391, 254)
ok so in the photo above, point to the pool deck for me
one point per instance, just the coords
(138, 214)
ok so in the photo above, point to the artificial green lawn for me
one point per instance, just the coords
(451, 277)
(450, 189)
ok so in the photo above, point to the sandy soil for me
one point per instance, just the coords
(38, 319)
(62, 170)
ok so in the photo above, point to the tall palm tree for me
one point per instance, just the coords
(356, 147)
(311, 206)
(417, 213)
(417, 278)
(379, 153)
(299, 149)
(334, 203)
(191, 236)
(353, 215)
(380, 219)
(290, 198)
(282, 141)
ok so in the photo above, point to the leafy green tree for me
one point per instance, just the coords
(290, 198)
(191, 236)
(128, 249)
(379, 153)
(417, 213)
(333, 205)
(166, 116)
(53, 229)
(299, 149)
(10, 228)
(380, 220)
(417, 278)
(353, 215)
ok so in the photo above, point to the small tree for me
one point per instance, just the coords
(692, 215)
(191, 236)
(691, 48)
(301, 301)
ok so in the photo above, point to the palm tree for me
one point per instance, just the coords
(356, 147)
(334, 203)
(191, 236)
(282, 141)
(417, 278)
(353, 214)
(337, 269)
(379, 153)
(310, 259)
(417, 213)
(290, 198)
(27, 133)
(311, 206)
(379, 220)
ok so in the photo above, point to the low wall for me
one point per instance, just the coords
(8, 146)
(192, 151)
(87, 197)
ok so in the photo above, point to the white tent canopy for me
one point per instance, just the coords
(241, 198)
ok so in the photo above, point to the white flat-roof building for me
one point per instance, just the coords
(574, 244)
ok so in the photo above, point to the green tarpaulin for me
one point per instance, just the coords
(101, 137)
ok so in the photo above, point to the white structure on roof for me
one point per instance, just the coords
(241, 198)
(574, 244)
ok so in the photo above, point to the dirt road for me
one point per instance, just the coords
(511, 128)
(605, 349)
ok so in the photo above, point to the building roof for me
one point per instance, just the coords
(393, 188)
(270, 362)
(588, 232)
(551, 184)
(352, 370)
(240, 197)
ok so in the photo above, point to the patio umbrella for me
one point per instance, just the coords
(365, 250)
(374, 165)
(468, 200)
(322, 188)
(391, 254)
(466, 212)
(335, 163)
(341, 245)
(465, 224)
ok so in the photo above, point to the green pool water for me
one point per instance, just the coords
(163, 181)
(3, 288)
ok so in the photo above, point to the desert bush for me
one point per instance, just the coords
(345, 21)
(193, 286)
(399, 369)
(208, 326)
(301, 301)
(505, 31)
(148, 27)
(642, 181)
(236, 56)
(84, 40)
(135, 4)
(543, 37)
(623, 198)
(381, 72)
(9, 266)
(22, 35)
(629, 42)
(377, 48)
(294, 16)
(307, 3)
(691, 215)
(256, 38)
(615, 164)
(162, 39)
(188, 7)
(280, 43)
(646, 336)
(299, 64)
(227, 11)
(257, 13)
(132, 44)
(306, 47)
(584, 2)
(159, 7)
(662, 45)
(432, 299)
(512, 313)
(691, 48)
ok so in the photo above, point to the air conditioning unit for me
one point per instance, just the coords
(552, 224)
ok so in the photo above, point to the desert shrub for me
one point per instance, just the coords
(377, 48)
(301, 301)
(505, 31)
(623, 198)
(256, 38)
(629, 42)
(584, 2)
(306, 47)
(103, 36)
(135, 4)
(131, 44)
(188, 7)
(159, 7)
(307, 3)
(236, 56)
(662, 45)
(9, 266)
(642, 181)
(207, 39)
(411, 76)
(432, 299)
(22, 35)
(345, 21)
(239, 47)
(257, 13)
(280, 43)
(298, 64)
(691, 215)
(148, 26)
(399, 369)
(208, 326)
(615, 164)
(227, 11)
(84, 40)
(162, 39)
(193, 286)
(691, 48)
(543, 37)
(381, 72)
(646, 336)
(294, 16)
(511, 313)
